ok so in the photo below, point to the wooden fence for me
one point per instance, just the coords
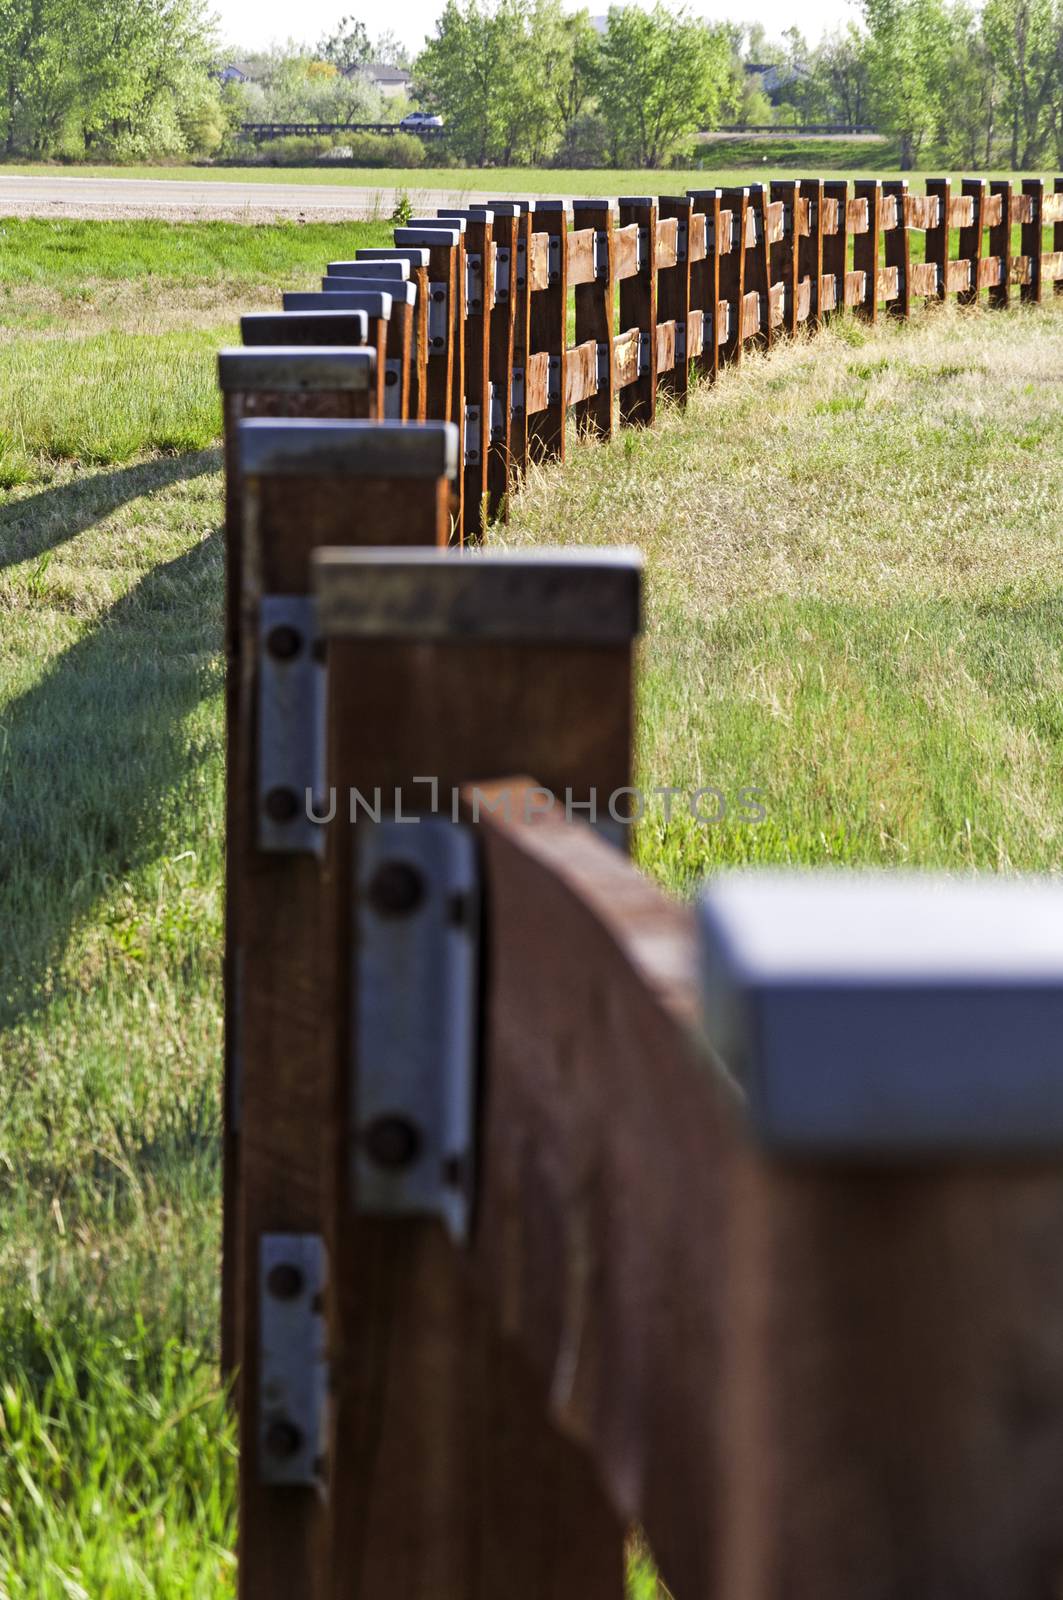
(547, 1210)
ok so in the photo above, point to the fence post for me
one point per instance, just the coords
(758, 265)
(549, 330)
(281, 329)
(1000, 245)
(500, 355)
(518, 423)
(705, 279)
(259, 383)
(479, 301)
(810, 249)
(971, 238)
(297, 482)
(404, 348)
(733, 273)
(866, 246)
(638, 309)
(594, 316)
(937, 238)
(836, 245)
(899, 248)
(673, 296)
(447, 1480)
(1033, 240)
(783, 254)
(417, 261)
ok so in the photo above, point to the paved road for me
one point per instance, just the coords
(184, 200)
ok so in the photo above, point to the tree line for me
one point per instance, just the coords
(519, 82)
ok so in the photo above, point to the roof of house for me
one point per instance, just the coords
(376, 72)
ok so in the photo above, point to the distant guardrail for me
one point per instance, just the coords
(264, 131)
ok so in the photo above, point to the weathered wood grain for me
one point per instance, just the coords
(549, 332)
(594, 317)
(638, 309)
(675, 214)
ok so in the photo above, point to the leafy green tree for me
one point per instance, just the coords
(659, 77)
(1023, 42)
(348, 46)
(908, 58)
(841, 79)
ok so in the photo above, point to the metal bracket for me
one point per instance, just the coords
(642, 251)
(605, 351)
(644, 354)
(393, 390)
(293, 1369)
(600, 253)
(472, 436)
(553, 258)
(681, 240)
(417, 910)
(516, 393)
(553, 381)
(522, 263)
(437, 318)
(474, 285)
(291, 725)
(501, 276)
(680, 343)
(497, 417)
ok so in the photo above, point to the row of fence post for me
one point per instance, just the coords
(493, 1235)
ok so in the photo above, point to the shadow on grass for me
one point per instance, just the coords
(31, 526)
(92, 757)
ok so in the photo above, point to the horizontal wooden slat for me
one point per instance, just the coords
(989, 271)
(830, 215)
(803, 224)
(957, 277)
(695, 334)
(854, 288)
(723, 322)
(1051, 266)
(993, 210)
(1052, 209)
(725, 243)
(804, 299)
(1020, 269)
(887, 283)
(924, 277)
(581, 372)
(696, 236)
(856, 213)
(625, 358)
(667, 241)
(777, 299)
(536, 383)
(1022, 208)
(924, 210)
(580, 256)
(961, 211)
(889, 215)
(828, 292)
(751, 227)
(665, 346)
(539, 261)
(776, 222)
(626, 251)
(750, 314)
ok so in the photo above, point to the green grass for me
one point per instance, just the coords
(738, 161)
(855, 606)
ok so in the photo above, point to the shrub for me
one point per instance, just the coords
(384, 149)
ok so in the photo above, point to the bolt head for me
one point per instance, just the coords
(281, 805)
(392, 1142)
(283, 1439)
(396, 889)
(285, 1281)
(283, 642)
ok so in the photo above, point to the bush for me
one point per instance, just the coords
(586, 143)
(384, 149)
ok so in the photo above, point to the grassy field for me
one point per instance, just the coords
(727, 161)
(855, 606)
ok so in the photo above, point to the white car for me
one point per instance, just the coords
(417, 121)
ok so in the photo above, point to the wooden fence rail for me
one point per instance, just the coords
(551, 1207)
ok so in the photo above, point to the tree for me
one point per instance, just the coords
(348, 47)
(659, 76)
(908, 55)
(1022, 39)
